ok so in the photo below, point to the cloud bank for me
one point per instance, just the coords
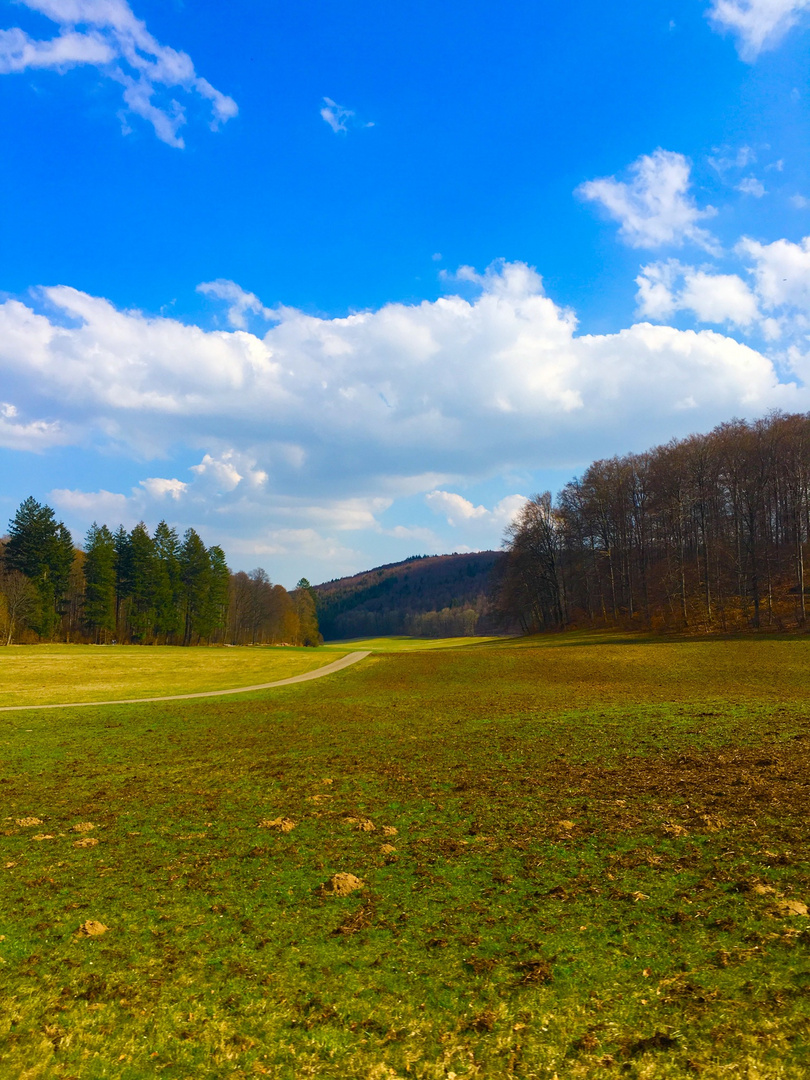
(453, 387)
(106, 34)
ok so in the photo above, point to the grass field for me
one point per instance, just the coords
(411, 644)
(44, 674)
(599, 869)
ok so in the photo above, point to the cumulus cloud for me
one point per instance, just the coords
(781, 271)
(667, 287)
(654, 208)
(160, 488)
(107, 35)
(370, 403)
(239, 302)
(223, 473)
(756, 24)
(339, 118)
(459, 511)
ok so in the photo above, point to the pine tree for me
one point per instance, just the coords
(123, 578)
(168, 616)
(142, 591)
(42, 549)
(195, 577)
(217, 601)
(99, 576)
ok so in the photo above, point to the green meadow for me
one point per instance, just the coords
(575, 856)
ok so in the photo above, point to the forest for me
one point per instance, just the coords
(702, 534)
(137, 588)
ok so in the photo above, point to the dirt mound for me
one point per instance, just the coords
(342, 885)
(363, 824)
(92, 928)
(281, 824)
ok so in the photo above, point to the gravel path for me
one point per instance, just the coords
(318, 673)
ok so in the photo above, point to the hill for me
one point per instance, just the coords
(426, 595)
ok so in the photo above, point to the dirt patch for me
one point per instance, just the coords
(357, 921)
(659, 1041)
(389, 830)
(676, 796)
(341, 885)
(92, 928)
(787, 908)
(362, 824)
(43, 836)
(83, 827)
(26, 822)
(86, 842)
(280, 824)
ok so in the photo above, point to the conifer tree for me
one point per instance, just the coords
(195, 577)
(99, 575)
(168, 616)
(142, 578)
(42, 549)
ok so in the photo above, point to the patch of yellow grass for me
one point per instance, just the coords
(51, 674)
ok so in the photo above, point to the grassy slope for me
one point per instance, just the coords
(43, 674)
(595, 841)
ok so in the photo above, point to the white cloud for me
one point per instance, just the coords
(460, 512)
(223, 475)
(160, 488)
(455, 508)
(107, 35)
(404, 399)
(667, 287)
(801, 202)
(339, 118)
(781, 272)
(654, 208)
(756, 24)
(239, 302)
(751, 186)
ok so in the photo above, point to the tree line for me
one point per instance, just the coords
(138, 588)
(704, 533)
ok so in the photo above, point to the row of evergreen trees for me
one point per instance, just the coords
(708, 532)
(138, 588)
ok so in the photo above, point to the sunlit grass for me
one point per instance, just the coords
(44, 674)
(410, 644)
(596, 853)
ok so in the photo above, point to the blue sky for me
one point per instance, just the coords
(337, 284)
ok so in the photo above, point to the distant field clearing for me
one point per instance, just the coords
(410, 644)
(46, 674)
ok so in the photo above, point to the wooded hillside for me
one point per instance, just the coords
(425, 596)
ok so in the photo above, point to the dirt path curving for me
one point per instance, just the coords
(318, 673)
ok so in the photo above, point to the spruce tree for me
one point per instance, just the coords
(99, 576)
(142, 583)
(168, 616)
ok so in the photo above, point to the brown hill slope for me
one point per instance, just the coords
(427, 595)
